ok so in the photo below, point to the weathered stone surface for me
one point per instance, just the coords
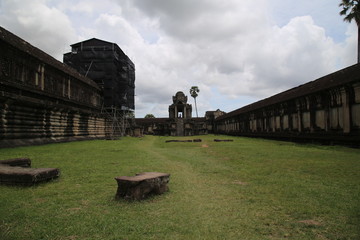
(325, 110)
(26, 176)
(42, 100)
(142, 185)
(17, 162)
(178, 141)
(195, 140)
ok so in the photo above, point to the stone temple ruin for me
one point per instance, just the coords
(180, 118)
(43, 100)
(180, 121)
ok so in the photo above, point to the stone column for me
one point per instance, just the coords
(42, 77)
(346, 110)
(311, 103)
(326, 118)
(299, 116)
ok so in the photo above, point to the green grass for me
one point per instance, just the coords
(246, 189)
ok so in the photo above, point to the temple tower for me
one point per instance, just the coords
(180, 115)
(180, 108)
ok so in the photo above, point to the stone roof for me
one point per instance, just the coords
(26, 47)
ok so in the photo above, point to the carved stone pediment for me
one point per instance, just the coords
(180, 98)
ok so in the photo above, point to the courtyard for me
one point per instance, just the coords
(243, 189)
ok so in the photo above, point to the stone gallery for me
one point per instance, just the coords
(43, 100)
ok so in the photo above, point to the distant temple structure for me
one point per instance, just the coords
(180, 108)
(180, 121)
(180, 115)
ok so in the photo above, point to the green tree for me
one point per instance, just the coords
(350, 9)
(194, 90)
(149, 115)
(130, 115)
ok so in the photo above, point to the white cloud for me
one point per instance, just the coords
(291, 55)
(45, 27)
(206, 20)
(235, 51)
(117, 29)
(349, 46)
(238, 52)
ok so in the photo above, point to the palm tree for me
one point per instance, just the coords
(350, 9)
(194, 93)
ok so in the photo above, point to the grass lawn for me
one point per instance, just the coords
(245, 189)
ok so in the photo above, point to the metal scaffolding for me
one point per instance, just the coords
(117, 121)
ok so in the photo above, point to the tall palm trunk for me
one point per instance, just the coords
(358, 44)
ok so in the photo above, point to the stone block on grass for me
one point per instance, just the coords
(17, 162)
(188, 140)
(26, 176)
(223, 140)
(142, 185)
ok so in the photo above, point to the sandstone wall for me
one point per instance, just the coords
(29, 125)
(43, 100)
(327, 109)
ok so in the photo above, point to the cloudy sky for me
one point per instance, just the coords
(235, 51)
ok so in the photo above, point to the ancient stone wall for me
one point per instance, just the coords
(43, 100)
(327, 109)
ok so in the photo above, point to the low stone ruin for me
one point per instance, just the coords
(18, 171)
(142, 185)
(223, 140)
(195, 140)
(168, 141)
(17, 162)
